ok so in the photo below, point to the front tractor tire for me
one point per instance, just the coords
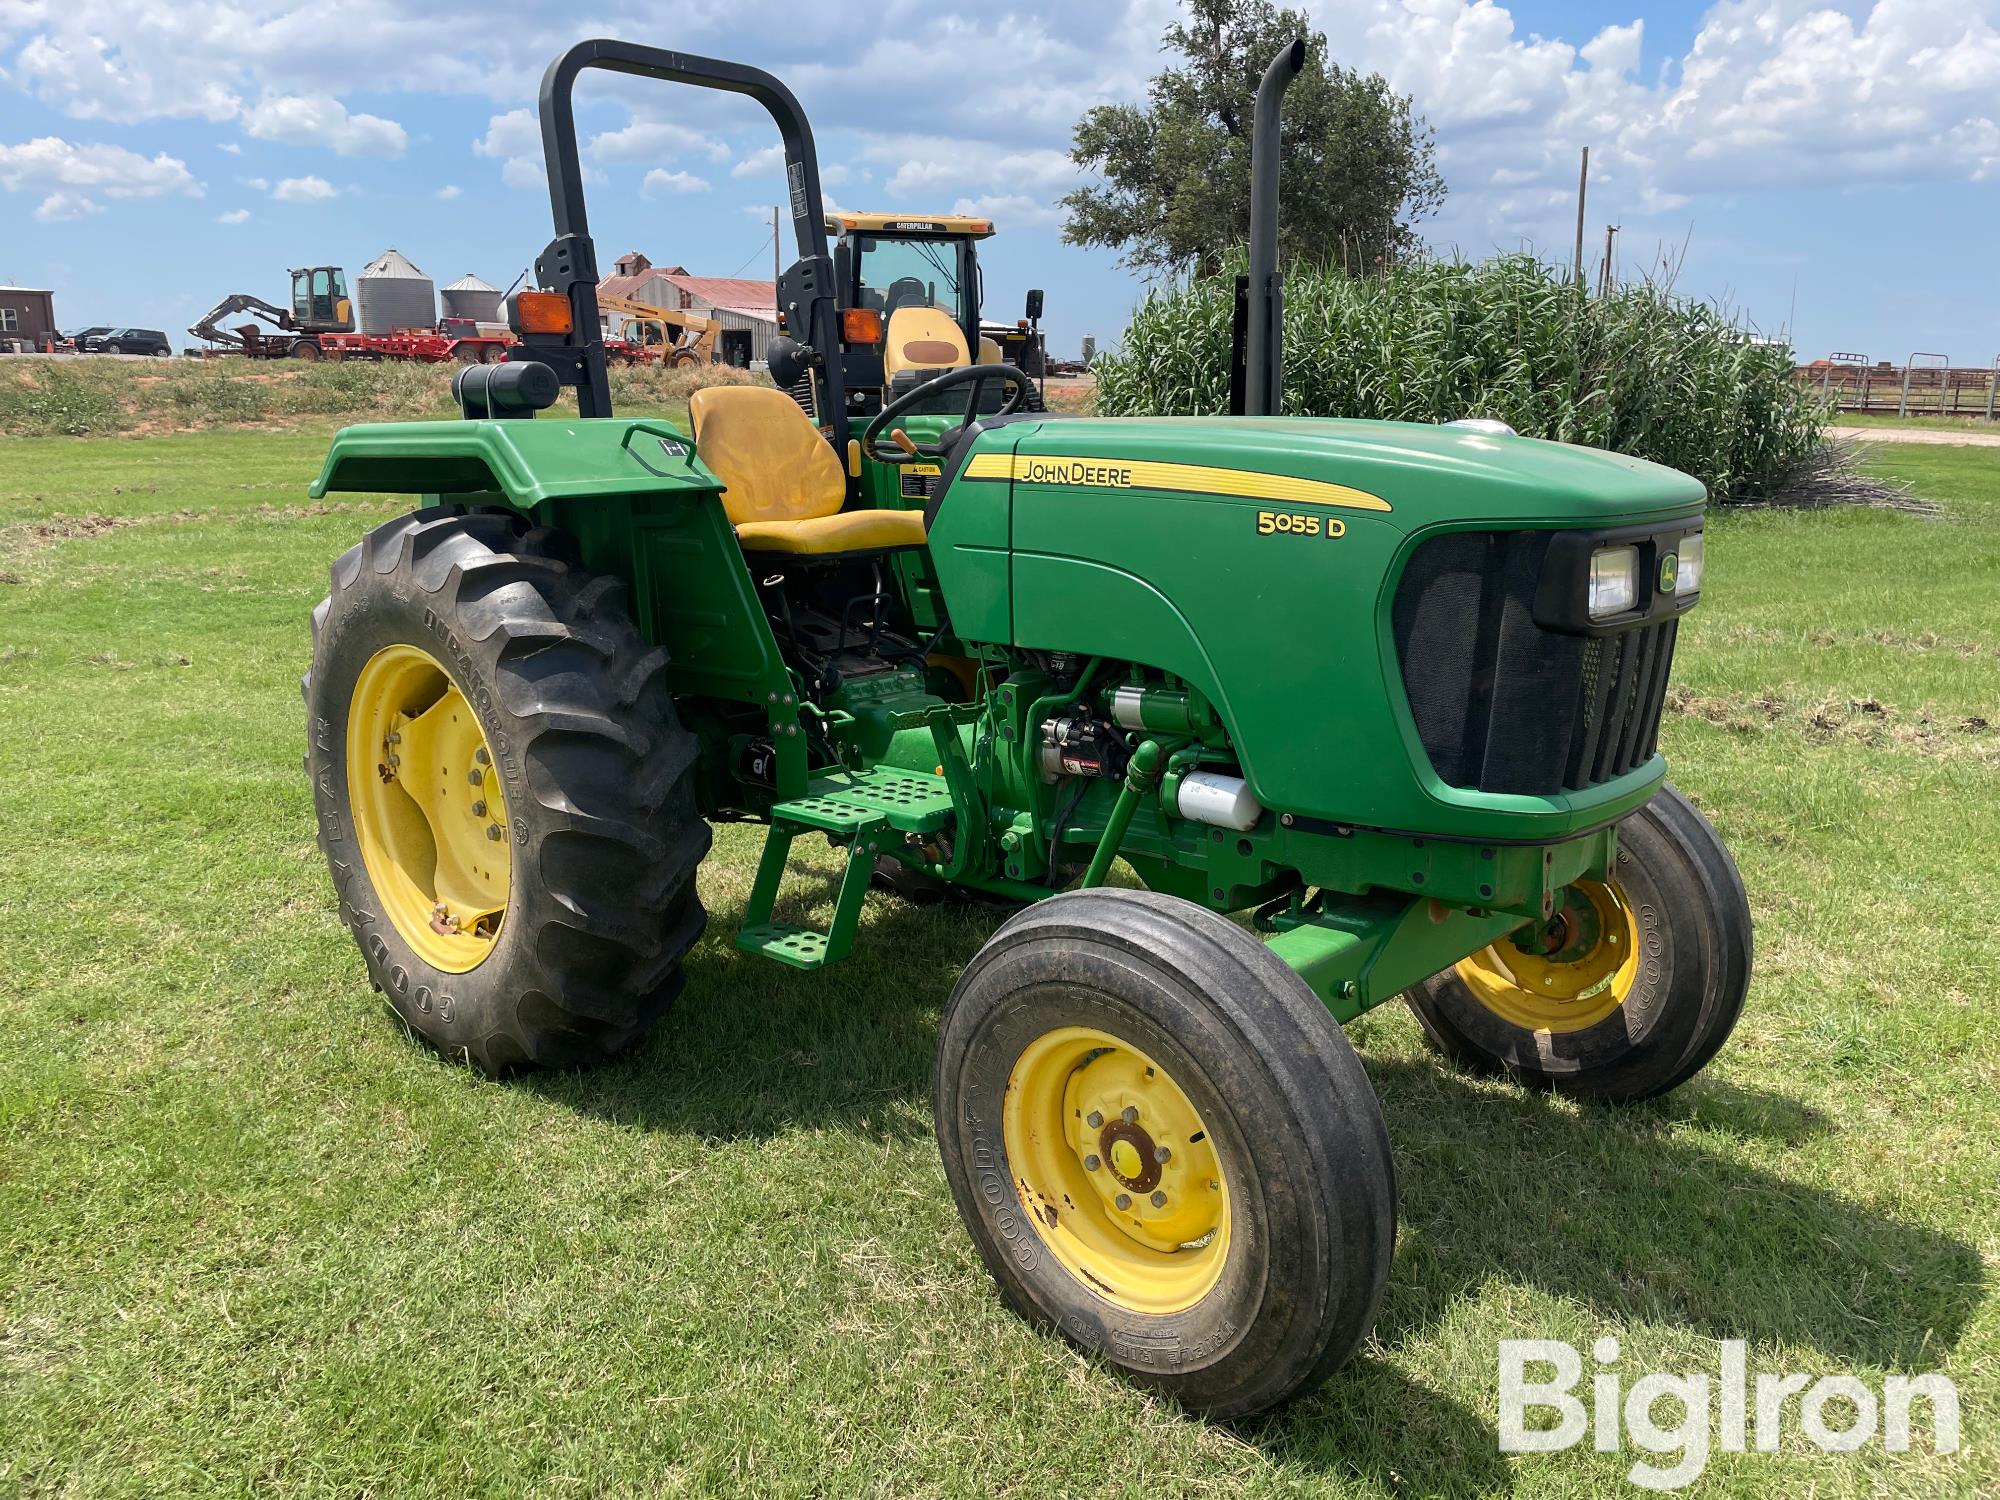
(1165, 1149)
(1629, 990)
(504, 795)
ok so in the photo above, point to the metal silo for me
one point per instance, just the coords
(469, 297)
(390, 293)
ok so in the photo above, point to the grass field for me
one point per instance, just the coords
(255, 1242)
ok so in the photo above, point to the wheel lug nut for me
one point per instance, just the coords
(1124, 1201)
(1159, 1200)
(1162, 1155)
(1091, 1164)
(482, 757)
(1093, 1119)
(479, 809)
(474, 777)
(1131, 1115)
(493, 832)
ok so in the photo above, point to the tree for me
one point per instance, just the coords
(1174, 189)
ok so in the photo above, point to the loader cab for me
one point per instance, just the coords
(319, 300)
(909, 293)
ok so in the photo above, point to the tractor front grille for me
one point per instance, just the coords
(1505, 705)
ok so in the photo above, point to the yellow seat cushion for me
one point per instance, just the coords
(848, 531)
(783, 485)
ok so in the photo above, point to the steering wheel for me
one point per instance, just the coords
(977, 376)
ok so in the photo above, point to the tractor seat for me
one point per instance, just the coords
(782, 482)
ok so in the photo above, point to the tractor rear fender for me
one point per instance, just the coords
(642, 508)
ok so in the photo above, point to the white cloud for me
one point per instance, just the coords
(659, 180)
(256, 184)
(231, 147)
(513, 134)
(449, 191)
(516, 139)
(49, 162)
(234, 216)
(322, 120)
(61, 206)
(771, 159)
(1010, 211)
(927, 164)
(651, 140)
(305, 190)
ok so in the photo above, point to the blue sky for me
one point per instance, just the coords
(1828, 166)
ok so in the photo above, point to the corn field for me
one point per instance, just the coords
(1638, 370)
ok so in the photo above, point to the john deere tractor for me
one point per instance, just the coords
(1368, 709)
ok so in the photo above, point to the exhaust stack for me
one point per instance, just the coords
(1256, 385)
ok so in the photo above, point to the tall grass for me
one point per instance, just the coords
(1639, 371)
(89, 397)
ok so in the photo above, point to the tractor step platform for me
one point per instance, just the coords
(862, 809)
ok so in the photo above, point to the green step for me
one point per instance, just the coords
(911, 801)
(857, 808)
(800, 947)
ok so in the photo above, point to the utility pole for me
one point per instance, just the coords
(1604, 280)
(1582, 190)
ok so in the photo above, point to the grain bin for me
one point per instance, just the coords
(390, 293)
(469, 297)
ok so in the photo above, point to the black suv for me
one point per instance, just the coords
(128, 341)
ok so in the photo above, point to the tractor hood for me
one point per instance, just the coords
(1259, 559)
(1408, 473)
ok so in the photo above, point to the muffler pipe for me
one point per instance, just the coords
(1264, 377)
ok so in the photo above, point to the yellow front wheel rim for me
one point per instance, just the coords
(429, 813)
(1116, 1170)
(1566, 974)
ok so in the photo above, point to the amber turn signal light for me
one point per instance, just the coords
(861, 325)
(541, 312)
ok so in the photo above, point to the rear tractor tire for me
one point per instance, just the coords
(504, 795)
(1628, 991)
(1165, 1149)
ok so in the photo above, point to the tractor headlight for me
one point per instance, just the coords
(1614, 581)
(1687, 578)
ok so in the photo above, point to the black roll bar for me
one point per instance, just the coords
(569, 264)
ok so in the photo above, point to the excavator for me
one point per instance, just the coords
(691, 341)
(319, 305)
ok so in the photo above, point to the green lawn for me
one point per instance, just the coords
(254, 1241)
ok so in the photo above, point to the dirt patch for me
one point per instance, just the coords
(27, 537)
(1864, 720)
(1944, 435)
(32, 536)
(1921, 644)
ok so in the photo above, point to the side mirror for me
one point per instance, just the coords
(1035, 305)
(787, 359)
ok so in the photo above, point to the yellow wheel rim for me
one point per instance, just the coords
(1565, 974)
(428, 809)
(1116, 1170)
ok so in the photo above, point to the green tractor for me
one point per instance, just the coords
(1368, 709)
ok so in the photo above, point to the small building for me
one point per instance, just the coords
(27, 317)
(747, 309)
